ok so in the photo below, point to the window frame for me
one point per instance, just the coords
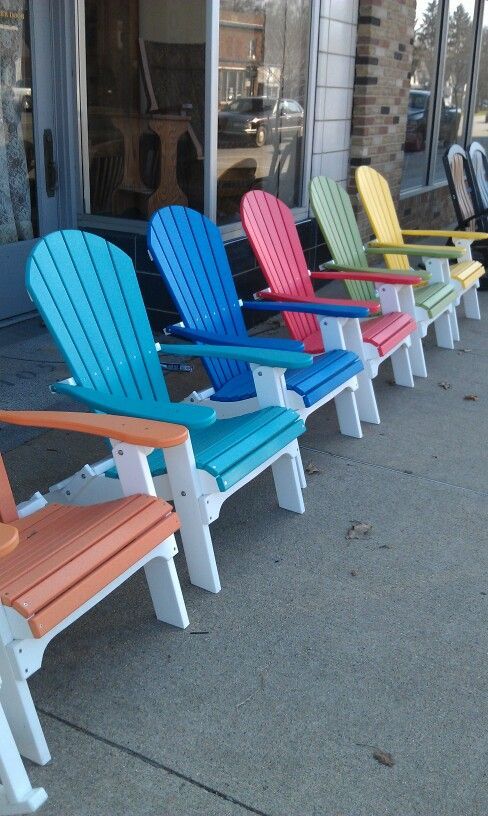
(229, 232)
(434, 121)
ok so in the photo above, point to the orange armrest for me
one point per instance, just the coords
(9, 538)
(146, 432)
(374, 277)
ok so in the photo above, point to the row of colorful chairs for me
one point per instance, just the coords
(94, 530)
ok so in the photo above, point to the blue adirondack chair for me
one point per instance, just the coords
(189, 253)
(88, 295)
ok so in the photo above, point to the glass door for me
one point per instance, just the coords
(29, 190)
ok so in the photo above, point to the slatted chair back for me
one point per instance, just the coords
(274, 239)
(374, 192)
(479, 165)
(335, 216)
(459, 179)
(189, 252)
(87, 292)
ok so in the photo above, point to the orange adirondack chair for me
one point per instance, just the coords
(68, 558)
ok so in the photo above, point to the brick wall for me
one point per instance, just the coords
(380, 100)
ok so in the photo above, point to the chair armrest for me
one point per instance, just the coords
(147, 433)
(228, 340)
(423, 250)
(330, 265)
(9, 538)
(191, 416)
(370, 274)
(260, 356)
(468, 236)
(327, 307)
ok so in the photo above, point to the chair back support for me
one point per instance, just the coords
(460, 181)
(374, 192)
(87, 292)
(335, 216)
(189, 252)
(479, 166)
(273, 236)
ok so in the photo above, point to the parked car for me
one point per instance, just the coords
(258, 118)
(417, 118)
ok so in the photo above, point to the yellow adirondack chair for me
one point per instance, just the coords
(463, 275)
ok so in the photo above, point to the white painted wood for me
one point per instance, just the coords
(454, 323)
(195, 534)
(287, 480)
(402, 370)
(16, 793)
(270, 385)
(443, 330)
(348, 414)
(471, 303)
(165, 589)
(417, 357)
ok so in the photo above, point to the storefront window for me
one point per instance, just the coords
(457, 75)
(145, 71)
(263, 70)
(479, 132)
(423, 76)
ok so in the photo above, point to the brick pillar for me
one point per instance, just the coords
(381, 87)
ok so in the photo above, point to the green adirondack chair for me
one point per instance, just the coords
(87, 292)
(428, 303)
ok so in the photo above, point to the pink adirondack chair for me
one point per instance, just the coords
(273, 236)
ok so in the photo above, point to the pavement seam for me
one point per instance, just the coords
(408, 473)
(152, 762)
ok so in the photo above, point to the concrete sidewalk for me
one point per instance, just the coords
(318, 650)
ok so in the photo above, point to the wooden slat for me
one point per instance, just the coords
(8, 510)
(87, 587)
(376, 198)
(386, 332)
(467, 272)
(72, 532)
(79, 558)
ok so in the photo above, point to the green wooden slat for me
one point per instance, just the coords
(435, 297)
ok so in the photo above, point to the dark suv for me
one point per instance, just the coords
(258, 118)
(417, 115)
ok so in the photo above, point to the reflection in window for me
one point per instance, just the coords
(263, 68)
(424, 60)
(18, 202)
(459, 55)
(145, 65)
(479, 132)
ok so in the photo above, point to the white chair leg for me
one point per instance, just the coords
(417, 357)
(454, 324)
(402, 370)
(347, 414)
(366, 400)
(443, 331)
(301, 473)
(286, 476)
(471, 304)
(19, 708)
(16, 793)
(165, 590)
(195, 534)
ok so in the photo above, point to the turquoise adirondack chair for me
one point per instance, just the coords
(16, 792)
(87, 292)
(335, 216)
(188, 250)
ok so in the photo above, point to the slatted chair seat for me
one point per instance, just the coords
(66, 554)
(434, 298)
(328, 372)
(467, 272)
(232, 448)
(387, 331)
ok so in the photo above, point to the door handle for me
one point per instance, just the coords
(50, 171)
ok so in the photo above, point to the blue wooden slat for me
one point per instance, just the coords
(188, 251)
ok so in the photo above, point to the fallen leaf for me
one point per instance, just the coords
(384, 547)
(353, 573)
(390, 382)
(471, 397)
(444, 385)
(312, 468)
(359, 529)
(383, 757)
(464, 351)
